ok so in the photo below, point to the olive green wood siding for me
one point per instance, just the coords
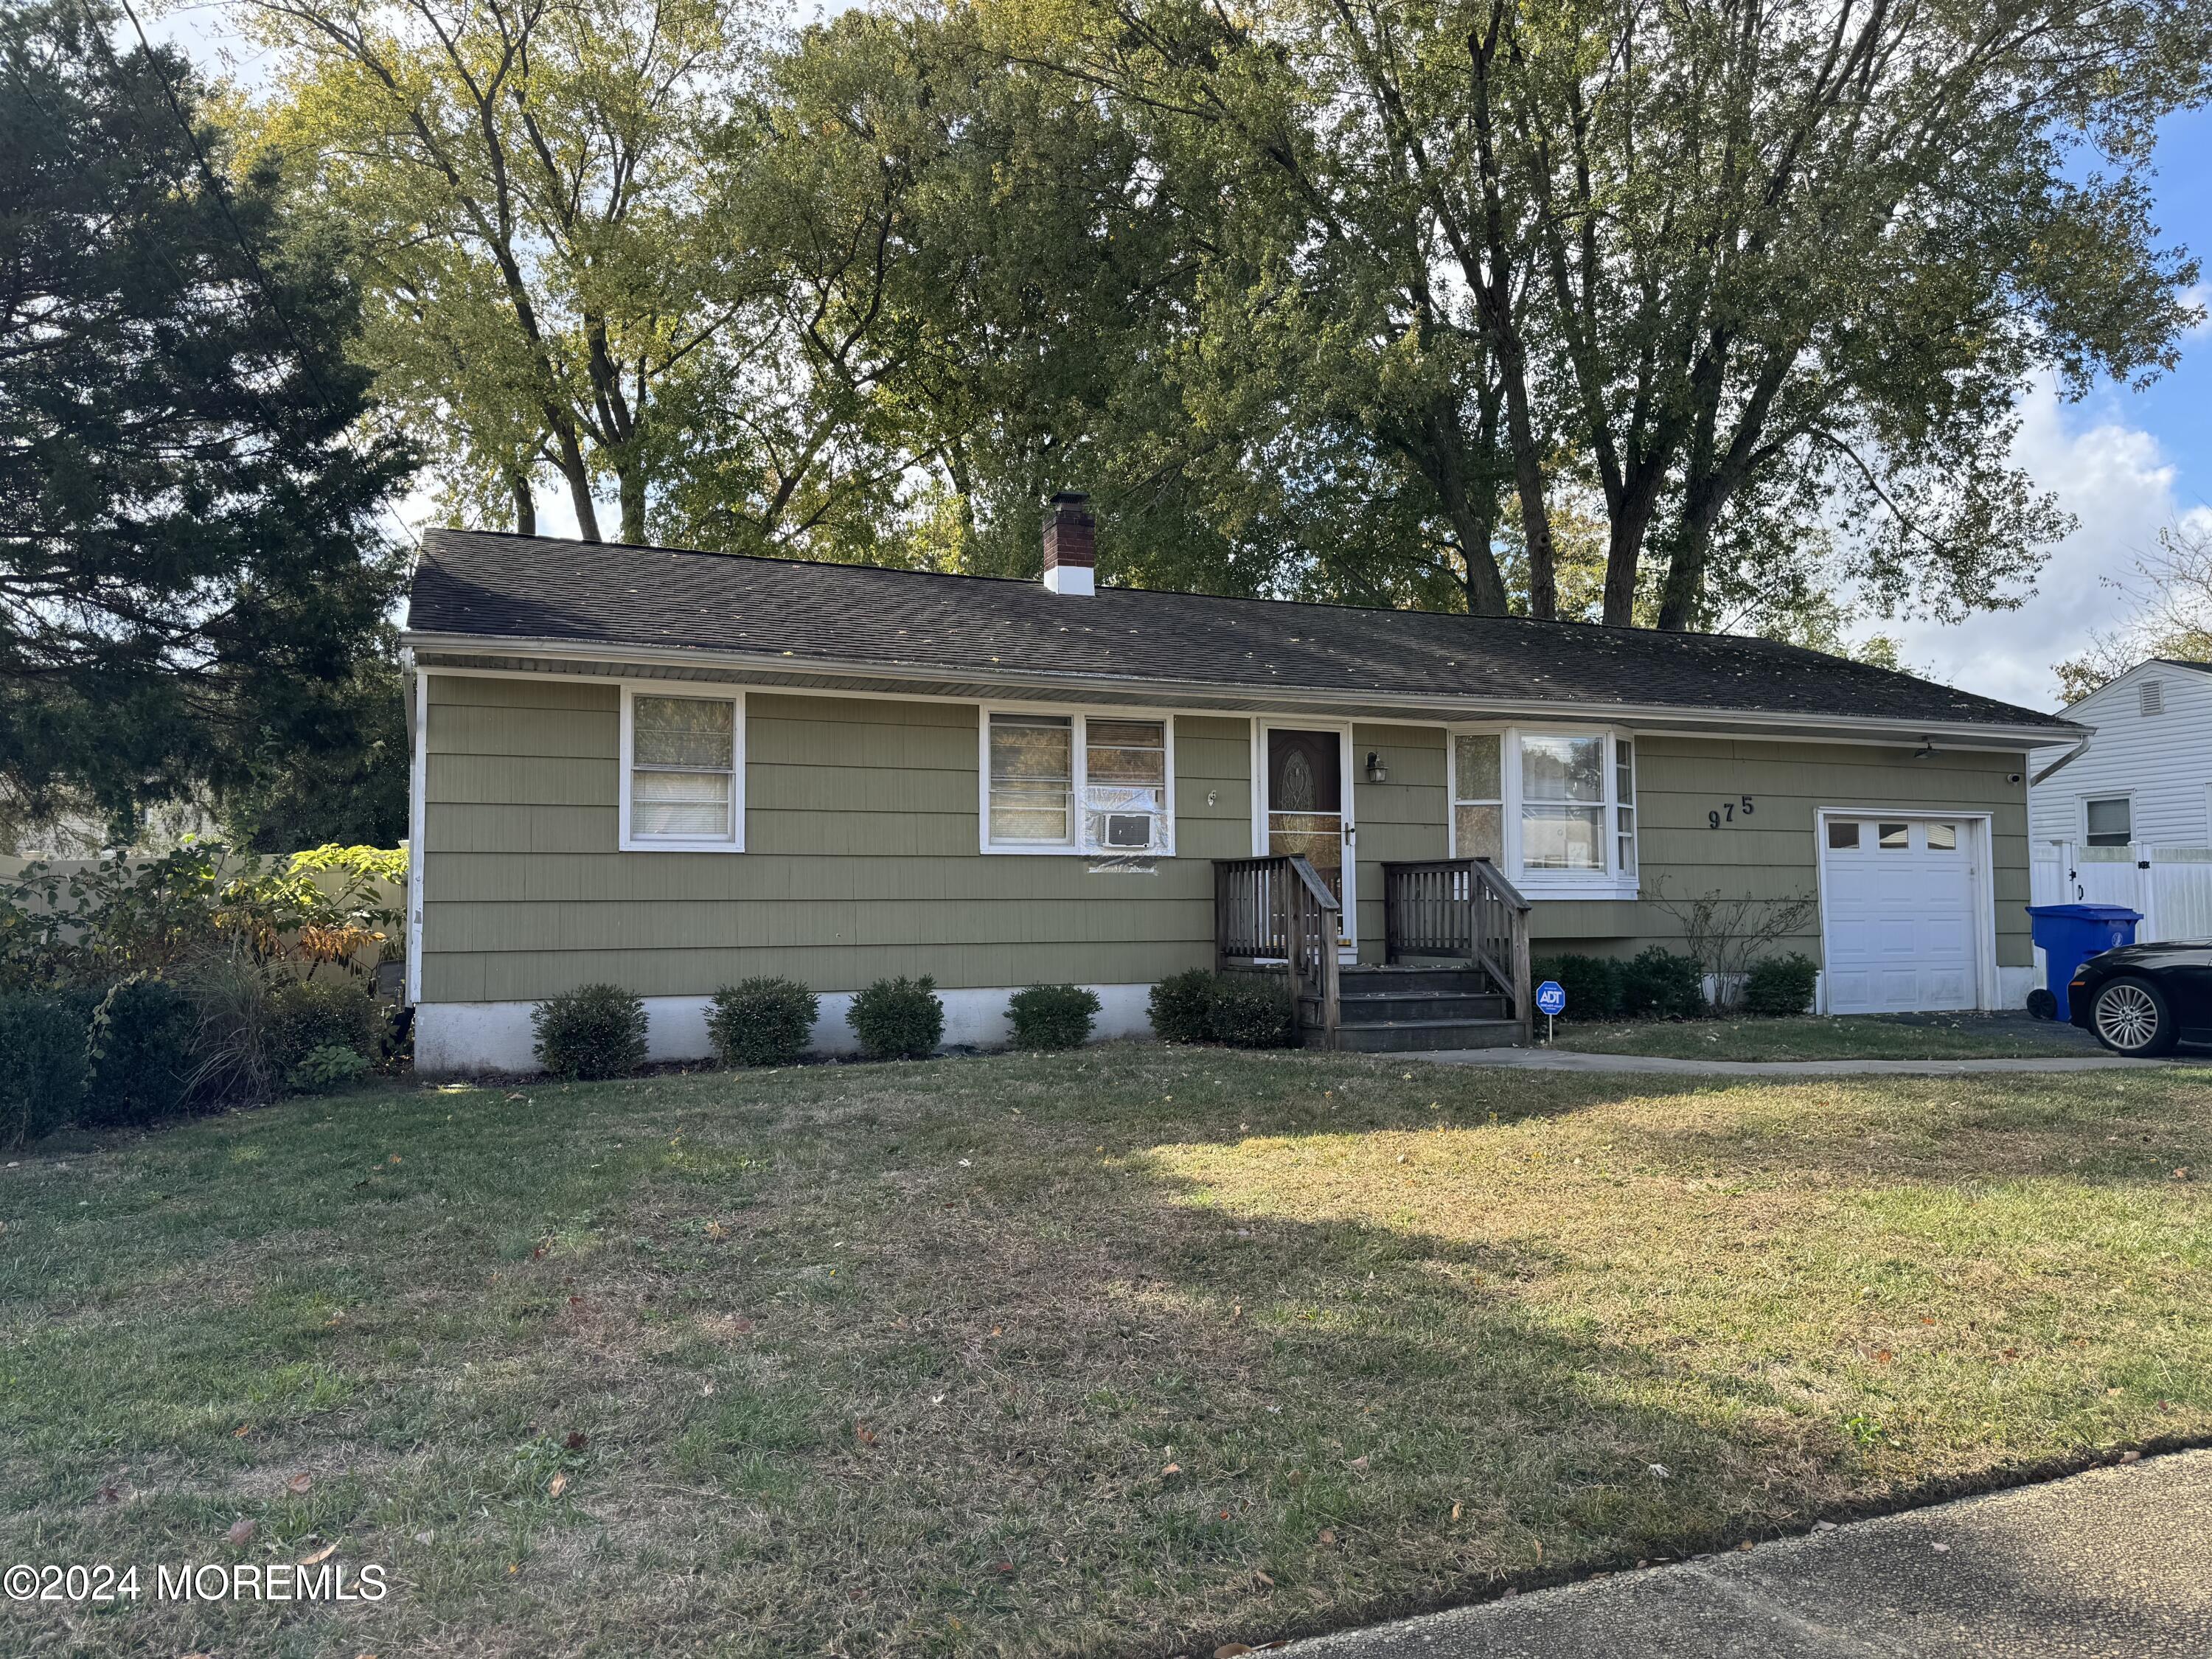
(1404, 818)
(1770, 855)
(861, 859)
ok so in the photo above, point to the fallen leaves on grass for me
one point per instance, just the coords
(575, 1442)
(300, 1483)
(319, 1556)
(556, 1486)
(241, 1533)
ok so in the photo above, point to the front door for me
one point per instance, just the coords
(1307, 803)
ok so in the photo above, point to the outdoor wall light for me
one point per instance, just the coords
(1376, 772)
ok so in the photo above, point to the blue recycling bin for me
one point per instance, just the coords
(2069, 934)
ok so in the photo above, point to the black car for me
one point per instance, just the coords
(2144, 998)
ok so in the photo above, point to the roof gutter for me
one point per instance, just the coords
(1198, 692)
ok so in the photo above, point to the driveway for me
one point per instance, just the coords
(2115, 1564)
(1567, 1059)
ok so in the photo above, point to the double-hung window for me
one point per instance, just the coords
(1555, 810)
(1077, 783)
(682, 771)
(2109, 821)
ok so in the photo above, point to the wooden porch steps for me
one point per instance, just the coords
(1404, 1008)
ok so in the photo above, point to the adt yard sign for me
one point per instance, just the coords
(1550, 1001)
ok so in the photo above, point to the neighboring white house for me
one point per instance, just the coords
(2144, 776)
(2126, 818)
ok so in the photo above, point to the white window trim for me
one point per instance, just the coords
(1610, 883)
(1079, 717)
(704, 692)
(2081, 813)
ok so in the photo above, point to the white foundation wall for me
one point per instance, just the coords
(468, 1038)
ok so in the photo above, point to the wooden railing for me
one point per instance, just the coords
(1277, 911)
(1461, 910)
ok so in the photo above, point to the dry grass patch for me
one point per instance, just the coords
(1125, 1351)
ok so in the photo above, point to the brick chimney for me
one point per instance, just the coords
(1070, 545)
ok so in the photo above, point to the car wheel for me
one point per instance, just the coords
(2041, 1005)
(2130, 1017)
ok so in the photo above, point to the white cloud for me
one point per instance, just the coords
(2117, 483)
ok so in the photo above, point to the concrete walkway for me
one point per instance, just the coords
(1565, 1059)
(2116, 1564)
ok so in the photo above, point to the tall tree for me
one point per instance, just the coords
(543, 269)
(191, 568)
(1736, 260)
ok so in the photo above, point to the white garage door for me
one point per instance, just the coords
(1900, 916)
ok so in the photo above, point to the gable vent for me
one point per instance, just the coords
(2151, 697)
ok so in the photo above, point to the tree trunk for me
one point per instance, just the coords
(577, 474)
(526, 501)
(630, 478)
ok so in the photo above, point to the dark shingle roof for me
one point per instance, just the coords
(485, 584)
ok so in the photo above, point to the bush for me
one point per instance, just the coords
(1250, 1010)
(140, 1049)
(898, 1019)
(308, 1014)
(1182, 1006)
(594, 1031)
(1052, 1016)
(1659, 983)
(328, 1068)
(1592, 984)
(762, 1022)
(1780, 986)
(42, 1064)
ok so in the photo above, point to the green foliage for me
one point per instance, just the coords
(194, 555)
(42, 1063)
(898, 1019)
(591, 1032)
(133, 915)
(330, 1067)
(1244, 1010)
(1662, 984)
(762, 1022)
(1052, 1016)
(1250, 1010)
(1182, 1006)
(140, 1046)
(310, 1014)
(1592, 984)
(1781, 986)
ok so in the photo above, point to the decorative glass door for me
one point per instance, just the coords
(1306, 806)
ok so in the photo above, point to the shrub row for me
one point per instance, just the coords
(149, 1047)
(599, 1030)
(1661, 984)
(1246, 1011)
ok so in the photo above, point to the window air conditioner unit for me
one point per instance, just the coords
(1128, 829)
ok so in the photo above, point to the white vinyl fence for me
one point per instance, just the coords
(2171, 886)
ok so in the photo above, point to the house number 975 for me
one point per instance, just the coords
(1727, 811)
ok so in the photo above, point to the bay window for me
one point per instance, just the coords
(1554, 810)
(1077, 783)
(683, 772)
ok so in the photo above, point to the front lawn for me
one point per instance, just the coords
(1860, 1037)
(1132, 1351)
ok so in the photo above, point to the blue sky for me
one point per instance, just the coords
(2125, 463)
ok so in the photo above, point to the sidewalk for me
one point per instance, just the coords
(1564, 1059)
(2115, 1564)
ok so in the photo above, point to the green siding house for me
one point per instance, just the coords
(672, 771)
